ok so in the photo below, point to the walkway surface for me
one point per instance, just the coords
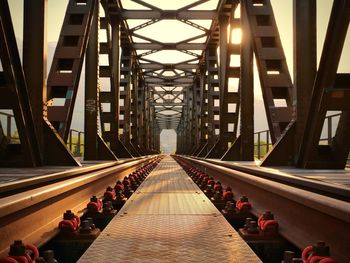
(169, 219)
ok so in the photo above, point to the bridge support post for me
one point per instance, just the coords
(53, 150)
(285, 151)
(246, 94)
(94, 146)
(228, 69)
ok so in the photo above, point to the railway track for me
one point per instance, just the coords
(305, 216)
(335, 191)
(32, 212)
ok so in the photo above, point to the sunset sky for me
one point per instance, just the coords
(283, 14)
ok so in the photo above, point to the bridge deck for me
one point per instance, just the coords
(169, 219)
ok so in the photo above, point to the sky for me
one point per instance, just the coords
(283, 14)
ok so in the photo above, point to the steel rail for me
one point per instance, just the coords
(33, 215)
(335, 191)
(305, 217)
(14, 187)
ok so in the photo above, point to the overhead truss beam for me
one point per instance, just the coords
(166, 14)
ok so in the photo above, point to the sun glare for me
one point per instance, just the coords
(236, 36)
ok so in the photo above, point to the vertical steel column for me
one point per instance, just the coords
(121, 150)
(134, 110)
(276, 84)
(53, 150)
(213, 95)
(187, 111)
(197, 114)
(190, 119)
(330, 93)
(156, 139)
(91, 82)
(202, 149)
(305, 60)
(150, 124)
(4, 138)
(34, 61)
(179, 138)
(14, 96)
(151, 121)
(126, 71)
(184, 121)
(115, 86)
(247, 93)
(64, 76)
(229, 101)
(140, 116)
(108, 96)
(225, 117)
(9, 128)
(94, 147)
(146, 120)
(194, 119)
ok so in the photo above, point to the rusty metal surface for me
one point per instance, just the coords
(175, 225)
(304, 217)
(33, 215)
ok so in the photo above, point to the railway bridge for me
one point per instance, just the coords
(85, 171)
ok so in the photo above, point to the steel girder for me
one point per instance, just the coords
(213, 97)
(150, 90)
(166, 14)
(243, 146)
(15, 97)
(196, 116)
(39, 142)
(64, 76)
(153, 72)
(110, 96)
(134, 111)
(228, 99)
(203, 113)
(140, 115)
(275, 80)
(125, 97)
(184, 74)
(246, 148)
(94, 146)
(316, 93)
(330, 93)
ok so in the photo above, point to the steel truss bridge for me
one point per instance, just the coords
(207, 98)
(141, 76)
